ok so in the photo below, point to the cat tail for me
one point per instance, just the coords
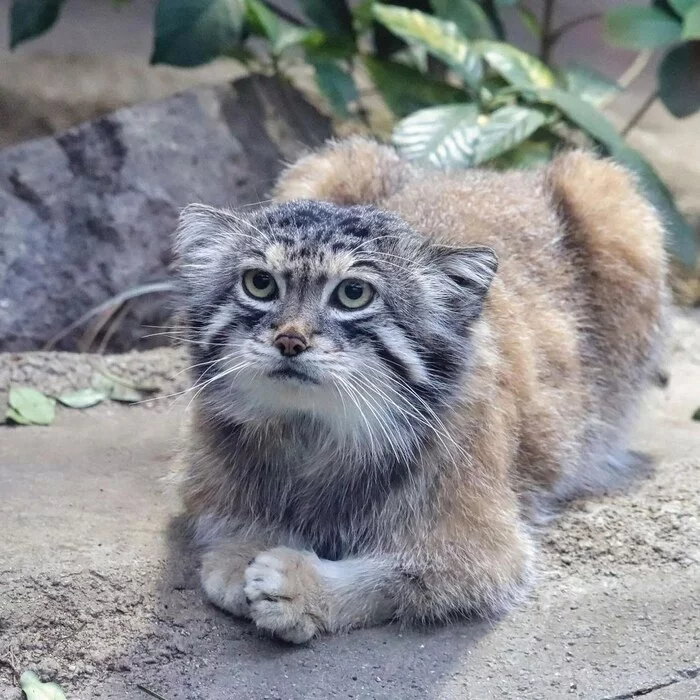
(352, 171)
(617, 239)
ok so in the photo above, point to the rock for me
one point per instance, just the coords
(42, 93)
(89, 213)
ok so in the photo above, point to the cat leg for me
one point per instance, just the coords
(222, 572)
(295, 595)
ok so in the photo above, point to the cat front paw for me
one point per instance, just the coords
(222, 581)
(285, 595)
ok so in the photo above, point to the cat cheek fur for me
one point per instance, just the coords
(520, 318)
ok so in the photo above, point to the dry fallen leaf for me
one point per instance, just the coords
(126, 394)
(119, 389)
(84, 398)
(29, 406)
(34, 689)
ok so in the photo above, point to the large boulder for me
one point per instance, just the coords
(89, 213)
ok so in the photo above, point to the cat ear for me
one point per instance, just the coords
(472, 269)
(199, 229)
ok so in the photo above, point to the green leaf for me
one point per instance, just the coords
(519, 68)
(280, 33)
(529, 154)
(362, 14)
(458, 136)
(336, 85)
(30, 18)
(191, 32)
(590, 85)
(468, 15)
(529, 19)
(102, 383)
(682, 6)
(636, 27)
(413, 56)
(406, 90)
(679, 80)
(32, 405)
(439, 37)
(507, 3)
(332, 16)
(441, 136)
(126, 394)
(34, 689)
(584, 115)
(322, 47)
(13, 417)
(504, 129)
(84, 398)
(105, 381)
(691, 24)
(696, 414)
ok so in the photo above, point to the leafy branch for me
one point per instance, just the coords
(461, 95)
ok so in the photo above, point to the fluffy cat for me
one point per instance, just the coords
(396, 369)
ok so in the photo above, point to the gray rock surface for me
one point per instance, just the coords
(90, 212)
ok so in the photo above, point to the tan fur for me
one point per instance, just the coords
(579, 250)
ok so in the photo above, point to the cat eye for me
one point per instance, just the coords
(259, 285)
(353, 294)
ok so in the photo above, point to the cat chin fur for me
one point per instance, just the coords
(569, 336)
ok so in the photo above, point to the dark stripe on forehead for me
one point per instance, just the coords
(357, 225)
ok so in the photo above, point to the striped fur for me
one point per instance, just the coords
(391, 469)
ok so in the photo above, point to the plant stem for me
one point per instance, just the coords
(495, 19)
(557, 34)
(284, 15)
(643, 109)
(635, 69)
(547, 34)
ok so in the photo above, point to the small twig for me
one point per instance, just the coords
(643, 109)
(118, 300)
(494, 19)
(568, 26)
(114, 323)
(10, 663)
(152, 693)
(635, 70)
(88, 338)
(284, 14)
(546, 37)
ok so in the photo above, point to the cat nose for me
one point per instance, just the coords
(290, 344)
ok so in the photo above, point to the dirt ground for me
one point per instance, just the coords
(98, 592)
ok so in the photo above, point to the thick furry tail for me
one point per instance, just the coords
(353, 171)
(617, 239)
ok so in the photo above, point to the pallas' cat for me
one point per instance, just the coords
(397, 370)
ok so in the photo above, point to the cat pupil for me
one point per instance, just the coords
(261, 280)
(353, 290)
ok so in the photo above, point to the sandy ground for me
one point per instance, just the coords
(97, 586)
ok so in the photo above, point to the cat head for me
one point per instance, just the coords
(342, 315)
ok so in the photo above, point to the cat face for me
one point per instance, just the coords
(340, 314)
